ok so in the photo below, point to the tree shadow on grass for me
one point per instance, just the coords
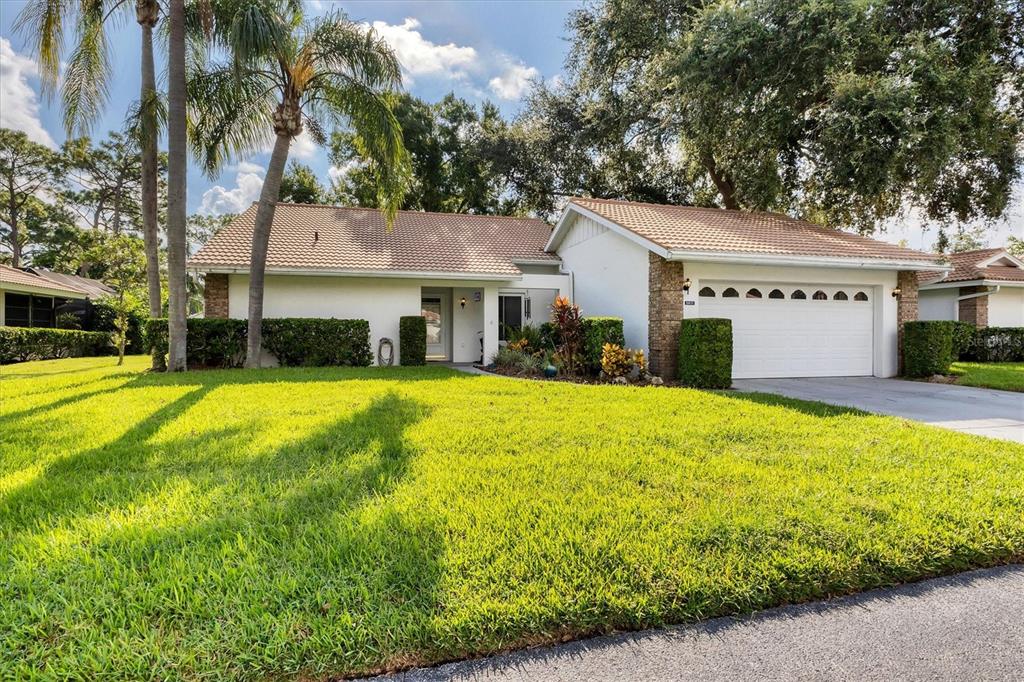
(307, 535)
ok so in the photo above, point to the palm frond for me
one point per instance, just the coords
(133, 122)
(377, 136)
(41, 22)
(339, 45)
(229, 116)
(84, 89)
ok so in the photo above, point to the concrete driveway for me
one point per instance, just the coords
(984, 412)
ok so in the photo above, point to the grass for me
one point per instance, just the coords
(1006, 376)
(314, 522)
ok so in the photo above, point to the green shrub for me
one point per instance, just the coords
(529, 334)
(597, 331)
(214, 342)
(20, 344)
(412, 340)
(316, 342)
(102, 320)
(68, 321)
(927, 347)
(963, 337)
(996, 344)
(705, 352)
(549, 338)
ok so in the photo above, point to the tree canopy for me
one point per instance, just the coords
(848, 113)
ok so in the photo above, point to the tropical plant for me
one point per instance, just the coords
(566, 318)
(283, 76)
(84, 89)
(527, 336)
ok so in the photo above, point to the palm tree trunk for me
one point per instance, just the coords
(146, 12)
(260, 242)
(176, 178)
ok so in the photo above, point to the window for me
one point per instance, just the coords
(730, 293)
(840, 296)
(860, 296)
(510, 315)
(799, 295)
(775, 293)
(753, 293)
(707, 292)
(820, 295)
(17, 310)
(42, 311)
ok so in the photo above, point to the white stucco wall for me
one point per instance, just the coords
(938, 304)
(1006, 307)
(381, 301)
(881, 283)
(609, 276)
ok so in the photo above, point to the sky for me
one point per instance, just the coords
(481, 50)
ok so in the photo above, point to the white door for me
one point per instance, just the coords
(434, 307)
(806, 330)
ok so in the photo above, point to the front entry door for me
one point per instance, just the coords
(435, 310)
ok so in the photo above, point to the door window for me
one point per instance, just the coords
(510, 315)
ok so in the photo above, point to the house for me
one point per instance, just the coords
(33, 297)
(471, 276)
(985, 288)
(804, 300)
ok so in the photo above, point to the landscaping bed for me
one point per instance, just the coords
(313, 522)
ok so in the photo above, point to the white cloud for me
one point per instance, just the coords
(246, 167)
(422, 57)
(19, 105)
(248, 182)
(514, 81)
(302, 147)
(338, 173)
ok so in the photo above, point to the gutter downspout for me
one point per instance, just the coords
(978, 294)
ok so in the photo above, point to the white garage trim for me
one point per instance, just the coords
(795, 330)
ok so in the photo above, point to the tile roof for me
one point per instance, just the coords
(967, 268)
(13, 278)
(693, 228)
(318, 237)
(93, 287)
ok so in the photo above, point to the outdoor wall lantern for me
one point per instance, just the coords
(896, 292)
(686, 284)
(462, 302)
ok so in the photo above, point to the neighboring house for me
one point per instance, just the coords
(471, 276)
(804, 300)
(34, 297)
(985, 288)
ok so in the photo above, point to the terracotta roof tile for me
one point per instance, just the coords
(318, 237)
(692, 228)
(15, 277)
(967, 268)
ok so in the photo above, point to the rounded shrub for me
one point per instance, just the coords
(927, 347)
(705, 352)
(412, 340)
(598, 331)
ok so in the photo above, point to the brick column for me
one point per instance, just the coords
(906, 308)
(664, 314)
(215, 295)
(974, 310)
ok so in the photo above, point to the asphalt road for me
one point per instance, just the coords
(965, 627)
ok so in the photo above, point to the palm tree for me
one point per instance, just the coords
(177, 166)
(285, 75)
(84, 92)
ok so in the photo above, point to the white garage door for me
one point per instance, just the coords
(794, 330)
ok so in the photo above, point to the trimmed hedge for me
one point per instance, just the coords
(102, 320)
(412, 340)
(598, 331)
(927, 347)
(20, 344)
(996, 344)
(705, 352)
(963, 337)
(295, 341)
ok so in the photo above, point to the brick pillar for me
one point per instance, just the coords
(215, 295)
(906, 308)
(664, 314)
(974, 310)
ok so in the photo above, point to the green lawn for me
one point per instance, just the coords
(1008, 376)
(313, 522)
